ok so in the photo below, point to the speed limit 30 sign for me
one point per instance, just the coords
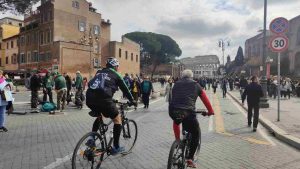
(279, 43)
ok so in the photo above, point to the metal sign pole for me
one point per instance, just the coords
(278, 87)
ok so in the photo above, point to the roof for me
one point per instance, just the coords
(11, 19)
(15, 36)
(204, 59)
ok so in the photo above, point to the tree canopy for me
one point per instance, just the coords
(239, 59)
(158, 48)
(16, 6)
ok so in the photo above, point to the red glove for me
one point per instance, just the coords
(206, 102)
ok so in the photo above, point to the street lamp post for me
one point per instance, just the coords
(264, 100)
(222, 44)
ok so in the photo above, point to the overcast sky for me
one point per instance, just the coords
(196, 25)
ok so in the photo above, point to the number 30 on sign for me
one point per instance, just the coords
(279, 43)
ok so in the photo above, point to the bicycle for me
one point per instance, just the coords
(86, 156)
(180, 149)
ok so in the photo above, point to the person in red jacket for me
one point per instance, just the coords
(182, 110)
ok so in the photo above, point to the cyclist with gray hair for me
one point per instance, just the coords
(182, 110)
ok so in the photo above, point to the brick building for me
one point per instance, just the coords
(128, 53)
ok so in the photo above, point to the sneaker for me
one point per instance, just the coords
(115, 151)
(91, 143)
(4, 129)
(254, 129)
(191, 164)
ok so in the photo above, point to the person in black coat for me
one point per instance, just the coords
(253, 92)
(69, 87)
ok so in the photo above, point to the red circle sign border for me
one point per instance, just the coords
(270, 26)
(277, 36)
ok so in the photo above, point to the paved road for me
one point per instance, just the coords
(38, 141)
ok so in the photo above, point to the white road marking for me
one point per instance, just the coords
(60, 161)
(259, 129)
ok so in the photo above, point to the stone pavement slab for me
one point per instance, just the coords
(288, 128)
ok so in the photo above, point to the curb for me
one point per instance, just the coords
(278, 132)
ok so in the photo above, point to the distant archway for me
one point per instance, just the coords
(297, 64)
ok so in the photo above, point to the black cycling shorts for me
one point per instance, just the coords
(108, 109)
(178, 115)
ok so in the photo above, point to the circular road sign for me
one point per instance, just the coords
(279, 25)
(279, 43)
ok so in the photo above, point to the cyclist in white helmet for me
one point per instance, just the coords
(99, 98)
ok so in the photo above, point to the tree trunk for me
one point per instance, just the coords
(154, 69)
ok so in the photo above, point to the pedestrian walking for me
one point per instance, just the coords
(47, 87)
(4, 89)
(35, 85)
(79, 89)
(215, 85)
(253, 92)
(146, 89)
(61, 90)
(69, 87)
(135, 89)
(168, 93)
(243, 83)
(224, 87)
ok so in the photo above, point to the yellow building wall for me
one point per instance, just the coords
(7, 31)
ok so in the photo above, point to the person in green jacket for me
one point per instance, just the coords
(61, 90)
(47, 87)
(79, 89)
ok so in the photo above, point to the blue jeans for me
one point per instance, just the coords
(2, 115)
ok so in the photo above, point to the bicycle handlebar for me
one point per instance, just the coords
(123, 103)
(202, 112)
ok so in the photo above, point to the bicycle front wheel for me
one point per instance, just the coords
(129, 135)
(89, 152)
(176, 156)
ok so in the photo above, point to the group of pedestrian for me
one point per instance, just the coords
(62, 84)
(139, 88)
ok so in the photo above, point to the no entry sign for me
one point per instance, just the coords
(279, 43)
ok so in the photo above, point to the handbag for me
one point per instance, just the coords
(2, 93)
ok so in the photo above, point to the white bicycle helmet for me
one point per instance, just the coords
(112, 62)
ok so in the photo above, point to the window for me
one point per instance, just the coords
(50, 13)
(28, 39)
(46, 17)
(96, 29)
(47, 56)
(0, 61)
(131, 56)
(28, 57)
(41, 38)
(7, 45)
(34, 56)
(22, 58)
(42, 17)
(0, 46)
(75, 4)
(126, 55)
(12, 44)
(6, 60)
(14, 59)
(120, 52)
(41, 57)
(49, 36)
(81, 26)
(22, 40)
(137, 58)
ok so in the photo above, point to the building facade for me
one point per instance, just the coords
(10, 59)
(9, 27)
(66, 36)
(128, 54)
(294, 45)
(202, 66)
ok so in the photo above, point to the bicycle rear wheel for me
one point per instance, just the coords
(176, 158)
(129, 135)
(88, 155)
